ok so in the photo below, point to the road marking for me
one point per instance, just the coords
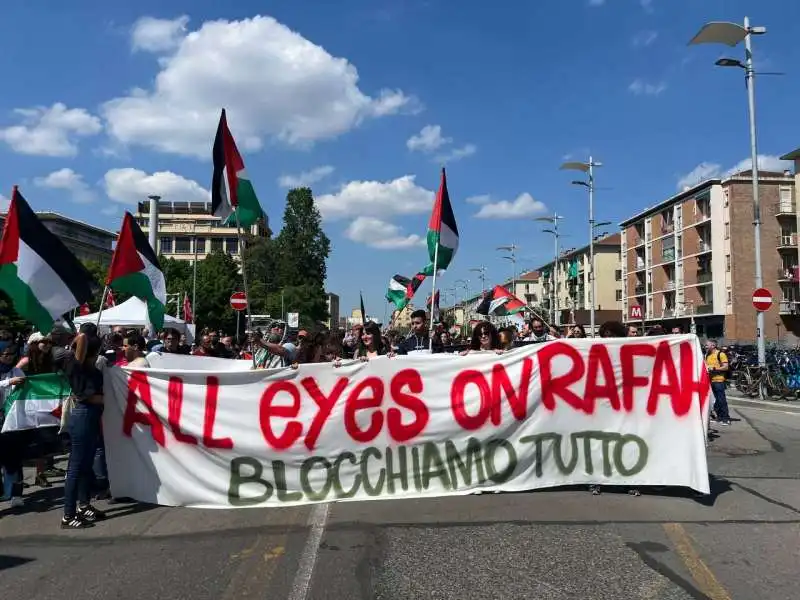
(302, 579)
(770, 410)
(702, 575)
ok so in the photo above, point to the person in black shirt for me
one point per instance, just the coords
(79, 365)
(419, 338)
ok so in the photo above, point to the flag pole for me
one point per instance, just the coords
(244, 277)
(433, 295)
(102, 304)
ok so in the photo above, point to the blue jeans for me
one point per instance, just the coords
(720, 401)
(99, 466)
(84, 431)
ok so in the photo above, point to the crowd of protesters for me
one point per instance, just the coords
(84, 356)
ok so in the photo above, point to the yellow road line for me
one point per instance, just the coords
(703, 576)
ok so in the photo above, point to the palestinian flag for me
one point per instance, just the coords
(442, 231)
(231, 189)
(36, 403)
(84, 309)
(188, 316)
(500, 302)
(363, 311)
(135, 271)
(402, 289)
(433, 307)
(38, 273)
(110, 302)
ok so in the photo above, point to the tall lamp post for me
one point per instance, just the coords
(554, 219)
(465, 284)
(731, 34)
(481, 271)
(511, 249)
(588, 168)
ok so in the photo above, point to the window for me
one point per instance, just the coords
(619, 295)
(217, 244)
(618, 274)
(166, 245)
(232, 245)
(730, 296)
(200, 245)
(725, 196)
(183, 245)
(727, 230)
(728, 263)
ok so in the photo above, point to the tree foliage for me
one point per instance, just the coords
(217, 278)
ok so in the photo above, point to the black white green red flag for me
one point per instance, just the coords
(43, 279)
(442, 231)
(402, 289)
(231, 189)
(500, 302)
(135, 271)
(36, 402)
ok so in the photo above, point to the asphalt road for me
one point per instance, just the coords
(742, 542)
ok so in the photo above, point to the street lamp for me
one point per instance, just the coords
(465, 284)
(731, 34)
(481, 275)
(513, 258)
(588, 168)
(554, 219)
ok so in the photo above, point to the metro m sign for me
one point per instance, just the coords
(634, 312)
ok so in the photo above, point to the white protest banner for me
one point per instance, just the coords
(618, 412)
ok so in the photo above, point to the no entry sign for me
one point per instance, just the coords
(762, 299)
(238, 301)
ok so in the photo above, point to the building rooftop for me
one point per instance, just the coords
(793, 155)
(608, 241)
(54, 216)
(177, 208)
(529, 276)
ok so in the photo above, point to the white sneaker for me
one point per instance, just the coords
(16, 502)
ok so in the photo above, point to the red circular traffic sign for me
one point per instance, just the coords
(238, 301)
(762, 299)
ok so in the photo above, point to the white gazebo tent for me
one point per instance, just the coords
(132, 313)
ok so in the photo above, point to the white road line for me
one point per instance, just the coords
(302, 579)
(769, 410)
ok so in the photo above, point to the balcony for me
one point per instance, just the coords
(667, 228)
(701, 217)
(669, 286)
(787, 240)
(639, 288)
(638, 265)
(787, 273)
(788, 307)
(704, 309)
(703, 246)
(668, 312)
(783, 208)
(704, 276)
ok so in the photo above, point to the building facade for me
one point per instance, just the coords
(188, 227)
(565, 291)
(85, 241)
(690, 260)
(333, 311)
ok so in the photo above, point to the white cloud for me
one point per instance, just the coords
(597, 2)
(642, 88)
(274, 83)
(644, 38)
(306, 178)
(50, 131)
(457, 154)
(4, 202)
(379, 234)
(70, 181)
(158, 35)
(401, 196)
(523, 206)
(428, 139)
(710, 170)
(129, 186)
(480, 199)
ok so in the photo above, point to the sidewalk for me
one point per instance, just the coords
(735, 399)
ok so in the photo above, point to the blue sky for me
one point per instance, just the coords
(365, 99)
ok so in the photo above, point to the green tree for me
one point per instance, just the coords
(262, 278)
(9, 319)
(217, 278)
(302, 250)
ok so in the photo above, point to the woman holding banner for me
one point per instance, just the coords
(485, 338)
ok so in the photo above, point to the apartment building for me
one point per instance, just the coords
(188, 227)
(333, 310)
(525, 287)
(85, 241)
(690, 261)
(572, 294)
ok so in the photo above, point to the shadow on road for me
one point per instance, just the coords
(9, 562)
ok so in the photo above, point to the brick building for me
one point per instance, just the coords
(690, 259)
